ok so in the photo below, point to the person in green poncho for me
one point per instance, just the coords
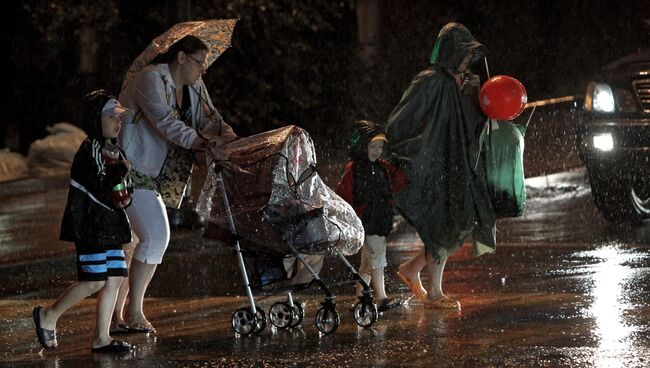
(434, 135)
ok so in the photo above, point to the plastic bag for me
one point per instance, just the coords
(53, 154)
(12, 166)
(504, 156)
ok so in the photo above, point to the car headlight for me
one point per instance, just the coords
(603, 142)
(599, 97)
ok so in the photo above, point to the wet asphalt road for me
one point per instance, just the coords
(563, 290)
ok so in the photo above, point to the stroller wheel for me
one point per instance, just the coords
(298, 314)
(327, 320)
(260, 320)
(281, 315)
(365, 313)
(244, 322)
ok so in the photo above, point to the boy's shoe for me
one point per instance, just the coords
(388, 304)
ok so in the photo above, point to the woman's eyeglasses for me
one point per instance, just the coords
(200, 63)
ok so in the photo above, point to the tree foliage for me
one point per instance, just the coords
(296, 62)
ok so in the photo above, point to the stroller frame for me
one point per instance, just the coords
(290, 314)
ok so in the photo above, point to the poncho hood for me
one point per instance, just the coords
(453, 43)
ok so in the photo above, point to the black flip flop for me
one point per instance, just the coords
(119, 328)
(44, 336)
(116, 346)
(388, 304)
(140, 328)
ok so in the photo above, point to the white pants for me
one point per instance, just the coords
(148, 218)
(373, 254)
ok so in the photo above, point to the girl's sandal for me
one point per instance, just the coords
(47, 338)
(443, 302)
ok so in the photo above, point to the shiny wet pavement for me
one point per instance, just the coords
(563, 290)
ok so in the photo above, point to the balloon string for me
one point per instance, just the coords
(531, 116)
(487, 69)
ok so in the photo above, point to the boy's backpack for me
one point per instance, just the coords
(503, 146)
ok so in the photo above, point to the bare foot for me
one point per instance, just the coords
(101, 341)
(46, 322)
(140, 325)
(413, 282)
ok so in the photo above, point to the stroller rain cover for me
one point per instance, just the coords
(278, 198)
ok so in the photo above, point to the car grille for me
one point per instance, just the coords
(642, 90)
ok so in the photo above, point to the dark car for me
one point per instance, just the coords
(614, 138)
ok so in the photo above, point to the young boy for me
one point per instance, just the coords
(367, 184)
(95, 220)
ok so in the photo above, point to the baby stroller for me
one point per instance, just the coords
(269, 203)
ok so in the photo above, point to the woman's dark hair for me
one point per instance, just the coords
(188, 44)
(91, 114)
(362, 132)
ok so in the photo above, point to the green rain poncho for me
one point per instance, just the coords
(434, 133)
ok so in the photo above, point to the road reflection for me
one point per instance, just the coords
(610, 283)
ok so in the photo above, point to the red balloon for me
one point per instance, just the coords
(503, 98)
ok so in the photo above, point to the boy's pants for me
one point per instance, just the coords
(373, 254)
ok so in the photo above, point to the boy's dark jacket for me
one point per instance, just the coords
(371, 194)
(433, 132)
(90, 216)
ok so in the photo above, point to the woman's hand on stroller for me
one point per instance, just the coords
(200, 144)
(216, 151)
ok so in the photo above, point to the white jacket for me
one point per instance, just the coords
(151, 96)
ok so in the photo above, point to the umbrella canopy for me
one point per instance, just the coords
(215, 33)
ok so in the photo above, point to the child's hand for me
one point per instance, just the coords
(125, 202)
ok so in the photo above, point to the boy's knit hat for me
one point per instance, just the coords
(364, 132)
(379, 137)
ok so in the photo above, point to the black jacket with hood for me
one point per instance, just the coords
(90, 216)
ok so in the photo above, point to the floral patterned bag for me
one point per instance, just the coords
(175, 175)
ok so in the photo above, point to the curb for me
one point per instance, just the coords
(18, 187)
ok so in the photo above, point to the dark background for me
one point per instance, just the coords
(299, 62)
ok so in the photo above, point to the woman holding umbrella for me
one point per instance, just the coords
(174, 117)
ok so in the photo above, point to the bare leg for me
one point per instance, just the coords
(105, 307)
(436, 298)
(363, 269)
(409, 272)
(77, 292)
(122, 293)
(434, 269)
(118, 315)
(139, 279)
(377, 278)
